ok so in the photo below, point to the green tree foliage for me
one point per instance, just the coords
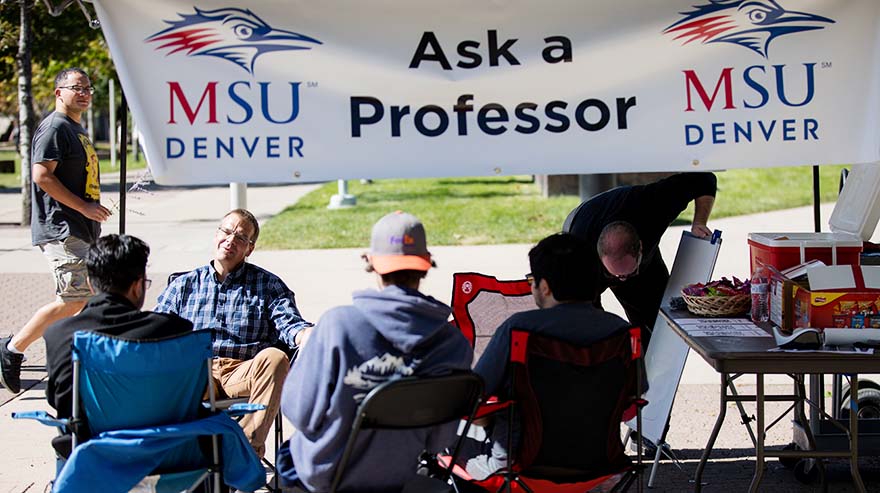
(58, 42)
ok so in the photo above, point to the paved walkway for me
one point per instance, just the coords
(178, 223)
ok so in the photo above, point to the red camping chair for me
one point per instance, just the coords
(571, 401)
(480, 303)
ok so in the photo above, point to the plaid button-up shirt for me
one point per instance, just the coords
(249, 311)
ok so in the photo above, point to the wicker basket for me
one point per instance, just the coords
(718, 306)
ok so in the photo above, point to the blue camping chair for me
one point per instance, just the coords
(142, 402)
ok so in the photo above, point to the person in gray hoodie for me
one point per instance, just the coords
(386, 334)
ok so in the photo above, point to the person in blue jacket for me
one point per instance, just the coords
(394, 332)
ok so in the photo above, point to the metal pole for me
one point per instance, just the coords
(237, 195)
(123, 161)
(817, 220)
(112, 95)
(135, 147)
(90, 118)
(342, 199)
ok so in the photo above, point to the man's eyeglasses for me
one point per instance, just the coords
(241, 239)
(624, 277)
(147, 283)
(80, 89)
(530, 278)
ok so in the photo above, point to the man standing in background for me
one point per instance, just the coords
(65, 215)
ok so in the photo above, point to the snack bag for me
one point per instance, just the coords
(858, 321)
(847, 306)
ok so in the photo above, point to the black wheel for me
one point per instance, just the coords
(806, 472)
(869, 404)
(790, 462)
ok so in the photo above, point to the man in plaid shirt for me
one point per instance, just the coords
(253, 314)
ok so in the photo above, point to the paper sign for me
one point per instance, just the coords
(709, 327)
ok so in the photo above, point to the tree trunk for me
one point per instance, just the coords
(25, 108)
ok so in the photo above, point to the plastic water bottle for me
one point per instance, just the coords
(760, 289)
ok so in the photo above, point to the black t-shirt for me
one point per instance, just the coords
(107, 314)
(58, 138)
(649, 208)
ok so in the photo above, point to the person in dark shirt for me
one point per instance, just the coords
(560, 281)
(66, 213)
(625, 225)
(117, 273)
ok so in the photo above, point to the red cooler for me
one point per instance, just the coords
(853, 221)
(784, 250)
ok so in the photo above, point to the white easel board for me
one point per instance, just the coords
(667, 352)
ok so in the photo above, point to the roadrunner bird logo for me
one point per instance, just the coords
(236, 35)
(752, 24)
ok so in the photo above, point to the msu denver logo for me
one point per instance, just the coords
(752, 24)
(236, 35)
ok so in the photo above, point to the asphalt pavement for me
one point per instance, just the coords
(179, 222)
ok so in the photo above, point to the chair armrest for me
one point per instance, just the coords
(631, 411)
(43, 417)
(457, 470)
(491, 406)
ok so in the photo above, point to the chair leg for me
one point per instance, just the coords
(523, 485)
(217, 465)
(626, 482)
(275, 487)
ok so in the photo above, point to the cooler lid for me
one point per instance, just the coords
(806, 240)
(858, 207)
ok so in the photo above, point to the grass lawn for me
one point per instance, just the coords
(13, 180)
(470, 211)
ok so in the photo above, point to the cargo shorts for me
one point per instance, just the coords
(67, 259)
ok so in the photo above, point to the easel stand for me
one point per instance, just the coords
(667, 353)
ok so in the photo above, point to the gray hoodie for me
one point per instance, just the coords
(384, 335)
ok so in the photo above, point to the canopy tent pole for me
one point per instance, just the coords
(817, 220)
(111, 87)
(123, 158)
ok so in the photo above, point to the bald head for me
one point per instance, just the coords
(619, 239)
(620, 249)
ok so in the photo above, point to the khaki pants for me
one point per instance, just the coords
(260, 380)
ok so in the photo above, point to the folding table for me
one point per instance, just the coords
(733, 357)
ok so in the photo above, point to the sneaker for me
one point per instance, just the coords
(10, 367)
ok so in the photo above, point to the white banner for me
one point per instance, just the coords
(299, 90)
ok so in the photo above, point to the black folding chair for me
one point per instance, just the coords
(416, 402)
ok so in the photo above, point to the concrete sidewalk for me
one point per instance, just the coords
(179, 224)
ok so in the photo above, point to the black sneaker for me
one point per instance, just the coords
(10, 367)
